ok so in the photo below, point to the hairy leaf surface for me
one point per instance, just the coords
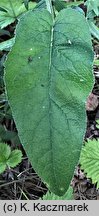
(48, 77)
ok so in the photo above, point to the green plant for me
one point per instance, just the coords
(92, 13)
(97, 121)
(48, 78)
(7, 45)
(10, 11)
(92, 5)
(9, 158)
(61, 4)
(89, 160)
(67, 196)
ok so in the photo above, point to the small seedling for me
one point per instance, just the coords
(97, 124)
(9, 158)
(89, 160)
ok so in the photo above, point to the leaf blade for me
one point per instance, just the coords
(5, 152)
(44, 86)
(15, 158)
(6, 45)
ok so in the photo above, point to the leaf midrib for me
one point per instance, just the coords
(50, 104)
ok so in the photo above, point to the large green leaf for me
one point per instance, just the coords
(48, 77)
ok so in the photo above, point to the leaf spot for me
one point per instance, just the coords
(42, 85)
(31, 49)
(61, 189)
(69, 42)
(30, 59)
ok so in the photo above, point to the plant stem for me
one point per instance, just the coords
(50, 7)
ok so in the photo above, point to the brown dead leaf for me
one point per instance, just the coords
(92, 102)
